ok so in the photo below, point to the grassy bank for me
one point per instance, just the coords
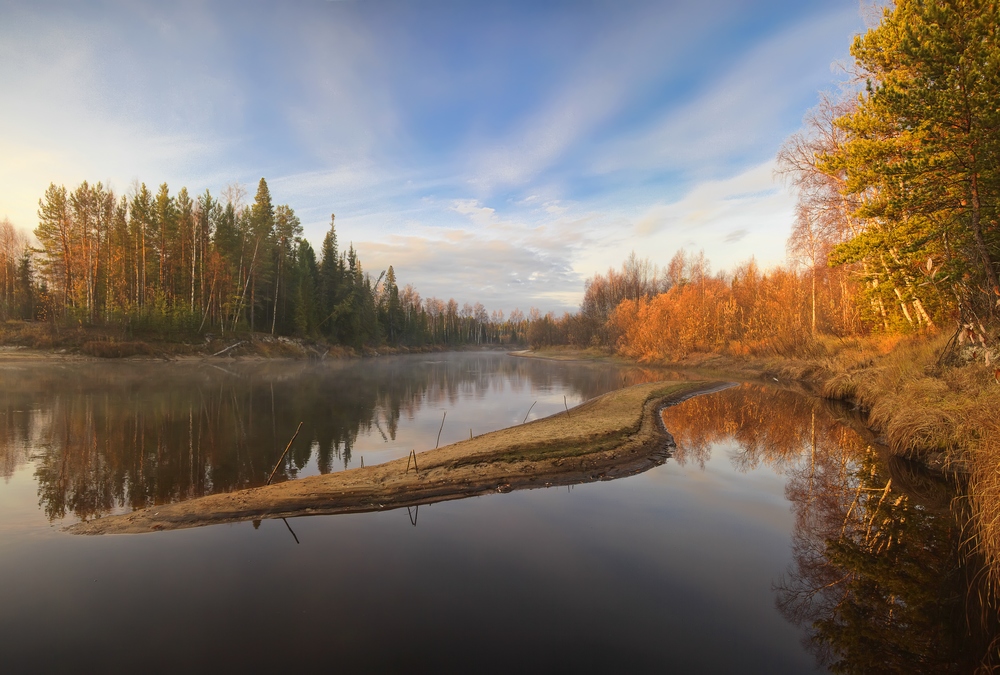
(48, 339)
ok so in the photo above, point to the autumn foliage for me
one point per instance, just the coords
(748, 311)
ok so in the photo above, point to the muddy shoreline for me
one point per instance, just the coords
(612, 436)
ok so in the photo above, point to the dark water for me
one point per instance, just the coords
(768, 543)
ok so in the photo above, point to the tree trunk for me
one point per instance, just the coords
(977, 230)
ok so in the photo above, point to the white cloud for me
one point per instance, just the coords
(477, 213)
(731, 219)
(739, 113)
(473, 268)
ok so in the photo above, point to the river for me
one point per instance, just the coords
(778, 538)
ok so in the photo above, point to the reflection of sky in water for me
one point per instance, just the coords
(645, 573)
(668, 570)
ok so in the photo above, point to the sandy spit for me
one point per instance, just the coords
(611, 436)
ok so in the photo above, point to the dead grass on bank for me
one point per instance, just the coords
(116, 350)
(945, 414)
(35, 335)
(567, 353)
(983, 493)
(920, 405)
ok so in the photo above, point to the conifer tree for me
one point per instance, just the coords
(287, 228)
(165, 226)
(923, 149)
(306, 283)
(261, 226)
(330, 273)
(392, 308)
(54, 232)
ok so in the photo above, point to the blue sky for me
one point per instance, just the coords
(499, 152)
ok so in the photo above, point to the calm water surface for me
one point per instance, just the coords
(767, 543)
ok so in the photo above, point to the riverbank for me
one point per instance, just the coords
(24, 340)
(615, 435)
(929, 398)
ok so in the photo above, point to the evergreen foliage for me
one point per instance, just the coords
(173, 263)
(920, 161)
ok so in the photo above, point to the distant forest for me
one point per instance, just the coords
(165, 262)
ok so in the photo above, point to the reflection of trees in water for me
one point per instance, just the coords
(771, 427)
(878, 575)
(123, 436)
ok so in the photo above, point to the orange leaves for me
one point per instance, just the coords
(745, 312)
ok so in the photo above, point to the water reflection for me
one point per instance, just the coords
(879, 576)
(111, 437)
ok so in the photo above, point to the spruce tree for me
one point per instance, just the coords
(330, 273)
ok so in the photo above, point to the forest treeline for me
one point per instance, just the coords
(896, 226)
(179, 264)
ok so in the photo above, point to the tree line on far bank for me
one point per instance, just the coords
(177, 264)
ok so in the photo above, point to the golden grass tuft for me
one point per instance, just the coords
(984, 495)
(115, 350)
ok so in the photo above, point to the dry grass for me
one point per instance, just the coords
(947, 415)
(984, 496)
(115, 350)
(917, 404)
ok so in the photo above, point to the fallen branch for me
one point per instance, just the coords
(283, 454)
(229, 347)
(439, 431)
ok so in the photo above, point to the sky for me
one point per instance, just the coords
(495, 152)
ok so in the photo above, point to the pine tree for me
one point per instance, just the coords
(262, 236)
(306, 283)
(55, 234)
(141, 230)
(330, 281)
(393, 310)
(287, 229)
(923, 151)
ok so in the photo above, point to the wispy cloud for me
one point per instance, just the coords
(606, 79)
(469, 267)
(742, 114)
(493, 152)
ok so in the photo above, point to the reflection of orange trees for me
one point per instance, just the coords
(878, 574)
(746, 311)
(771, 427)
(15, 439)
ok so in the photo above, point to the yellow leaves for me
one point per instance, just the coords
(757, 312)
